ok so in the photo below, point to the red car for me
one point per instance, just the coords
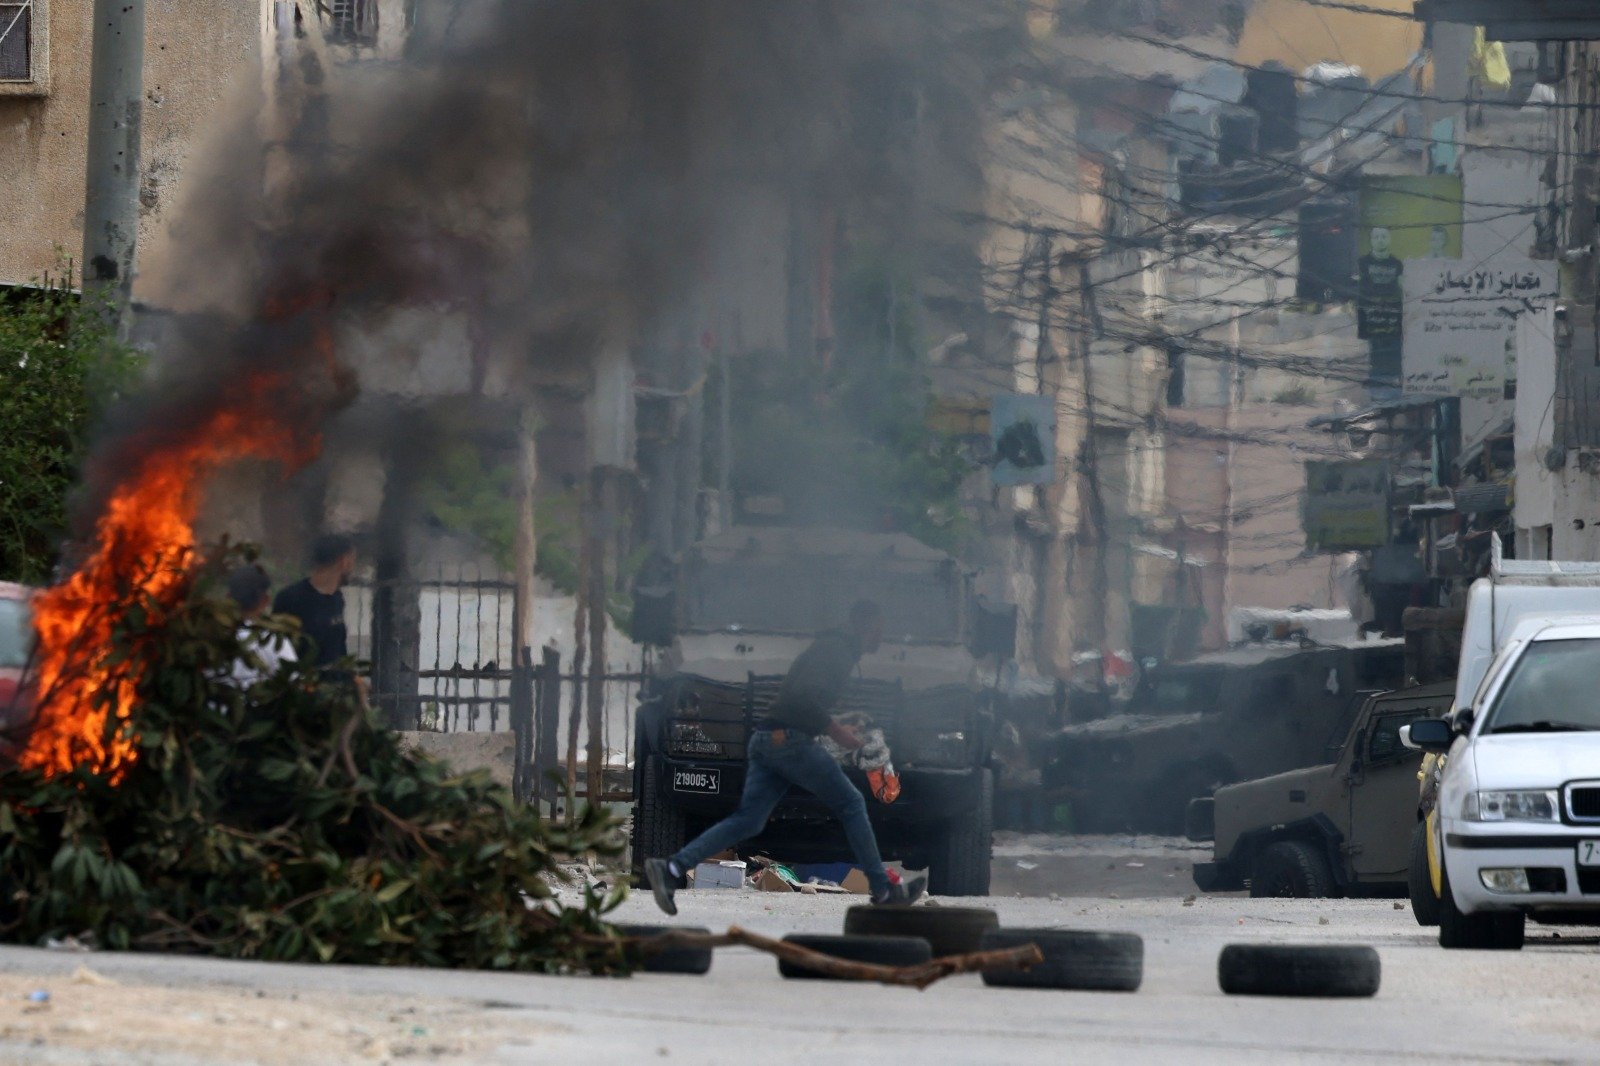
(16, 641)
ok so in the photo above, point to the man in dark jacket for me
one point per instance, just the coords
(784, 751)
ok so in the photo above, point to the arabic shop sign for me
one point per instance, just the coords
(1461, 331)
(1346, 505)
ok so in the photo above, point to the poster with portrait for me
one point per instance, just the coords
(1410, 216)
(1023, 435)
(1404, 219)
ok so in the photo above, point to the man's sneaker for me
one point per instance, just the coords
(662, 883)
(902, 894)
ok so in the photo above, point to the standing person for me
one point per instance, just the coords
(261, 650)
(784, 751)
(318, 600)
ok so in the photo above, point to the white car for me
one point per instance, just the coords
(1518, 827)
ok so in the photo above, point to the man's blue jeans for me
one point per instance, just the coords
(773, 766)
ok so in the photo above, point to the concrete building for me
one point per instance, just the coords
(1070, 190)
(200, 57)
(1557, 404)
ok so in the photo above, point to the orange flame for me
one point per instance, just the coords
(143, 542)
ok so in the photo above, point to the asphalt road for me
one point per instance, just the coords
(1459, 1007)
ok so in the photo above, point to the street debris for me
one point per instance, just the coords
(85, 976)
(917, 976)
(728, 873)
(71, 943)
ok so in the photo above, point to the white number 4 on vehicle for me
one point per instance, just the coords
(1589, 853)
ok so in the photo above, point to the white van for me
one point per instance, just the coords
(1516, 589)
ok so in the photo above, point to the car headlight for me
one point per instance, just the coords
(1541, 806)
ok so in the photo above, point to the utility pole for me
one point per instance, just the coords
(1087, 333)
(116, 107)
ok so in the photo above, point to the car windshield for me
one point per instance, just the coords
(16, 634)
(1550, 689)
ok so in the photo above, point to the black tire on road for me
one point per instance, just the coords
(677, 959)
(659, 830)
(1299, 970)
(1073, 959)
(1491, 931)
(1419, 881)
(880, 950)
(960, 864)
(1291, 869)
(948, 930)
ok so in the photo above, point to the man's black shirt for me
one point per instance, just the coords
(815, 682)
(321, 618)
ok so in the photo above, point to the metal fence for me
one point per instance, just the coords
(444, 659)
(551, 756)
(443, 650)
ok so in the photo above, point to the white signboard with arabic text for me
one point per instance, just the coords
(1461, 332)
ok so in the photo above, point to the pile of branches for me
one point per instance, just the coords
(281, 822)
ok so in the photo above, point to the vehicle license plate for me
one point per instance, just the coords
(709, 782)
(1589, 853)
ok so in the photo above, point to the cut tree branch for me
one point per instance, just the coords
(918, 976)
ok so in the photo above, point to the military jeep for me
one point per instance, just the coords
(1344, 829)
(747, 603)
(1227, 716)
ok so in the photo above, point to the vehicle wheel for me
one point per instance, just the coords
(1291, 869)
(1492, 931)
(1510, 931)
(880, 950)
(960, 863)
(1298, 970)
(1073, 959)
(659, 830)
(1419, 884)
(676, 959)
(948, 930)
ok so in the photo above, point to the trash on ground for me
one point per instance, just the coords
(85, 976)
(729, 873)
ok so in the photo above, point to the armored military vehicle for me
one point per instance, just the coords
(1342, 829)
(748, 601)
(1228, 716)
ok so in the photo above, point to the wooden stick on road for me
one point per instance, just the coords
(919, 976)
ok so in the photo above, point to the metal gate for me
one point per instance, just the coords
(444, 659)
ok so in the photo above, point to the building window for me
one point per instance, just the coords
(24, 48)
(351, 22)
(16, 41)
(1175, 375)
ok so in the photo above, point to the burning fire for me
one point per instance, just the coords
(143, 542)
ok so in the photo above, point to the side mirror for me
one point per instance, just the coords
(1428, 734)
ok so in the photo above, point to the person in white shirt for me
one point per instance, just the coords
(262, 651)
